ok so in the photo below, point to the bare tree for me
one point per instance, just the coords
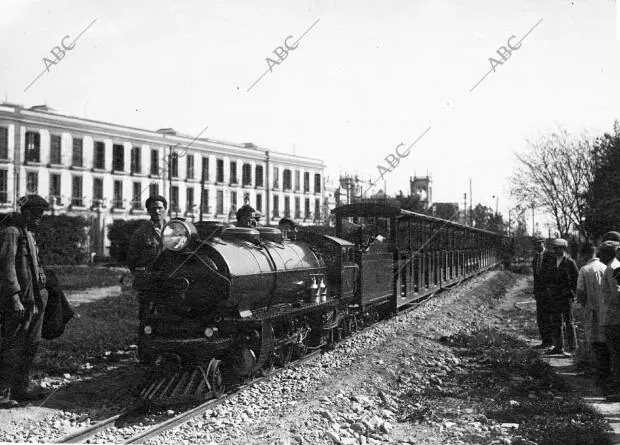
(554, 175)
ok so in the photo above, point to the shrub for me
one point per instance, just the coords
(119, 234)
(64, 240)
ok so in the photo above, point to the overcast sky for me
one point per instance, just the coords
(368, 76)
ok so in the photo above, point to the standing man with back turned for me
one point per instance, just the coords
(542, 303)
(145, 245)
(22, 301)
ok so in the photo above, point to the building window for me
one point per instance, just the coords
(190, 167)
(205, 169)
(76, 192)
(189, 199)
(4, 144)
(117, 202)
(154, 162)
(55, 189)
(306, 182)
(259, 202)
(276, 177)
(174, 165)
(317, 183)
(98, 189)
(307, 208)
(174, 198)
(220, 202)
(55, 149)
(297, 176)
(246, 174)
(317, 209)
(233, 172)
(205, 202)
(287, 207)
(297, 208)
(136, 198)
(33, 147)
(286, 180)
(4, 186)
(276, 206)
(219, 173)
(233, 200)
(153, 189)
(259, 176)
(32, 183)
(77, 153)
(118, 158)
(136, 160)
(99, 159)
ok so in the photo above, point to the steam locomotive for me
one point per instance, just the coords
(228, 303)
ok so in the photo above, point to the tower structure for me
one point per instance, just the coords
(422, 187)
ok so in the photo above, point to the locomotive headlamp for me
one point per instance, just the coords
(208, 332)
(148, 330)
(177, 234)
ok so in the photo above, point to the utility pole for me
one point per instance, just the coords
(465, 208)
(533, 225)
(471, 213)
(202, 190)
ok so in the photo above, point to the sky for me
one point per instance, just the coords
(365, 77)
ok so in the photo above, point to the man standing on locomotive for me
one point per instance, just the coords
(22, 301)
(542, 303)
(145, 245)
(560, 280)
(246, 216)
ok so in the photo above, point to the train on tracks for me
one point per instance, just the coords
(228, 303)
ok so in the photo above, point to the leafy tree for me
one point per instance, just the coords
(446, 210)
(554, 175)
(603, 204)
(485, 218)
(411, 203)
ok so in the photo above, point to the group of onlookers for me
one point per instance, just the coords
(557, 282)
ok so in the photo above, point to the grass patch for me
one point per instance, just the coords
(95, 335)
(83, 277)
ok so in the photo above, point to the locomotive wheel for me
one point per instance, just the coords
(214, 376)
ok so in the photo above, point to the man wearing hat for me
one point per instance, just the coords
(560, 281)
(611, 305)
(145, 245)
(542, 317)
(22, 300)
(246, 216)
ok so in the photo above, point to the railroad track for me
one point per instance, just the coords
(82, 435)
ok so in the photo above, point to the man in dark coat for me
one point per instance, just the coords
(22, 301)
(144, 247)
(542, 316)
(560, 275)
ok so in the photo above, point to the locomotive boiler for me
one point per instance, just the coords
(227, 302)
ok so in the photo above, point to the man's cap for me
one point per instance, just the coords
(559, 242)
(609, 244)
(612, 236)
(32, 202)
(540, 239)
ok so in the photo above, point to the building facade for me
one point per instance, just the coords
(86, 167)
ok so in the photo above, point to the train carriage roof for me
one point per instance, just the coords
(389, 210)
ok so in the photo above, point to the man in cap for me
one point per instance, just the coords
(22, 300)
(542, 303)
(560, 281)
(145, 245)
(246, 216)
(611, 307)
(590, 296)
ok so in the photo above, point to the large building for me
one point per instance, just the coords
(84, 167)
